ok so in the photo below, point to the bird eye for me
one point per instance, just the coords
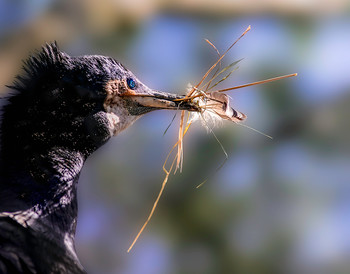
(131, 83)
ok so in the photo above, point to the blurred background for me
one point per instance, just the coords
(277, 206)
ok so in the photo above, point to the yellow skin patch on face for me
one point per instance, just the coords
(115, 105)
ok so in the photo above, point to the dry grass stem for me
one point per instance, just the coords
(213, 106)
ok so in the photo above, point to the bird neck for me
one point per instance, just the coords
(44, 197)
(46, 207)
(43, 149)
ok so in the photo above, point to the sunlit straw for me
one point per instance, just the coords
(259, 82)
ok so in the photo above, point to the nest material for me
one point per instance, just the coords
(212, 105)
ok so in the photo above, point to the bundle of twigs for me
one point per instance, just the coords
(211, 104)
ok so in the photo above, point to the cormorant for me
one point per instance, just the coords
(60, 111)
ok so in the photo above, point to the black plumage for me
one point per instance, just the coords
(57, 115)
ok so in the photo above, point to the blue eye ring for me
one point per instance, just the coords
(131, 83)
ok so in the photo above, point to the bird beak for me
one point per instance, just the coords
(163, 100)
(146, 98)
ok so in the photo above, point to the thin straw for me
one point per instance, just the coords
(213, 66)
(259, 82)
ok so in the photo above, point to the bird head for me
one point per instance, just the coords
(79, 101)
